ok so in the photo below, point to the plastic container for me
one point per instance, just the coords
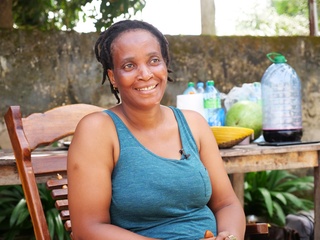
(190, 89)
(212, 105)
(281, 101)
(200, 87)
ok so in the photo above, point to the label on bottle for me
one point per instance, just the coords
(209, 103)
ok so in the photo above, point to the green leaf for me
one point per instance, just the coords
(293, 200)
(19, 208)
(279, 213)
(50, 220)
(279, 196)
(267, 200)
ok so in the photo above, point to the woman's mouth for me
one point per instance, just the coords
(146, 88)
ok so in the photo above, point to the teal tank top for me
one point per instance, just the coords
(159, 197)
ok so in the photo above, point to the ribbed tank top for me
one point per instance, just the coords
(159, 197)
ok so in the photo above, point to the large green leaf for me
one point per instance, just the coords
(19, 210)
(267, 199)
(279, 214)
(279, 196)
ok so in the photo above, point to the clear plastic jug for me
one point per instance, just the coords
(281, 101)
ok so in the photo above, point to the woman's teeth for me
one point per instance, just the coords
(147, 88)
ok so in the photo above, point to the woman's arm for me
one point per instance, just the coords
(91, 159)
(224, 203)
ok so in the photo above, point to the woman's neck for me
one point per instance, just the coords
(142, 119)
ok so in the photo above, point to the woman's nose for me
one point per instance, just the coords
(145, 73)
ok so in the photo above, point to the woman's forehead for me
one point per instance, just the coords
(134, 37)
(137, 33)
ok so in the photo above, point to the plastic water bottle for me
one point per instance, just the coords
(212, 104)
(190, 89)
(200, 87)
(281, 101)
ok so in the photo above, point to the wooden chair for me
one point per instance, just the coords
(37, 130)
(42, 129)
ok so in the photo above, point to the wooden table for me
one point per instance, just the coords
(238, 160)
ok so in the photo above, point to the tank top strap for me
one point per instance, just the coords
(187, 140)
(124, 135)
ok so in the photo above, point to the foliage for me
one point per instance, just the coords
(266, 20)
(291, 7)
(15, 218)
(64, 14)
(275, 194)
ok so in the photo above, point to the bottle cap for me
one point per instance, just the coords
(210, 83)
(276, 57)
(200, 84)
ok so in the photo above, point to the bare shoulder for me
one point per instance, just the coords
(94, 124)
(95, 135)
(197, 124)
(194, 118)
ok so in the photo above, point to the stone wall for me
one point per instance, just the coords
(41, 70)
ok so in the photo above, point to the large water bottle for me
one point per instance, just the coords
(212, 105)
(281, 101)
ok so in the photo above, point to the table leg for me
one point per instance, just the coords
(238, 186)
(317, 200)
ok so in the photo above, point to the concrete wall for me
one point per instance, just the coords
(40, 70)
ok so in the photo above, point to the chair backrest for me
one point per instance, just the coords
(37, 130)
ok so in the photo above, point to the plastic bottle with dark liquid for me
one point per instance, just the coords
(281, 102)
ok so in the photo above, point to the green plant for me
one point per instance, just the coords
(274, 194)
(65, 14)
(15, 218)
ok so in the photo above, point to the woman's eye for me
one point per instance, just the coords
(128, 66)
(155, 60)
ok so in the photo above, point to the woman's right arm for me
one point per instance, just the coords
(91, 159)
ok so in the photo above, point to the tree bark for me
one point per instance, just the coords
(208, 15)
(6, 19)
(313, 18)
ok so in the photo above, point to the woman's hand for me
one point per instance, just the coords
(221, 236)
(225, 236)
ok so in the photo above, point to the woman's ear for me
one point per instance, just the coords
(111, 78)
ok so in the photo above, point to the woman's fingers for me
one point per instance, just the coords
(208, 234)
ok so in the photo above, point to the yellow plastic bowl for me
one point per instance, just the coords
(228, 137)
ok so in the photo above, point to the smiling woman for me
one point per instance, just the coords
(158, 166)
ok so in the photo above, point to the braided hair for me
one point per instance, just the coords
(106, 38)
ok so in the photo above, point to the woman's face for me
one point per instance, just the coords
(140, 72)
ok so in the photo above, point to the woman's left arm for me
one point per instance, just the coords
(224, 203)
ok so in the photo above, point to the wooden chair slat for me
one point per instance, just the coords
(59, 193)
(62, 204)
(65, 215)
(56, 183)
(67, 226)
(49, 164)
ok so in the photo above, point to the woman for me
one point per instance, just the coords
(141, 170)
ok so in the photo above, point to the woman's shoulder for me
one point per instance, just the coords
(95, 123)
(193, 116)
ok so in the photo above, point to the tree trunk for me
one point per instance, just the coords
(313, 18)
(6, 20)
(208, 15)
